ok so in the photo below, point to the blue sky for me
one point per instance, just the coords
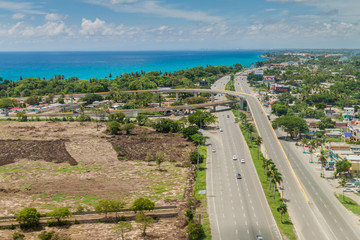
(29, 25)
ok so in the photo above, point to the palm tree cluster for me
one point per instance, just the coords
(271, 171)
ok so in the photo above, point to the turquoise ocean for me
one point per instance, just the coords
(86, 65)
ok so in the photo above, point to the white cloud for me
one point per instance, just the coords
(54, 17)
(23, 7)
(18, 16)
(22, 29)
(97, 27)
(154, 7)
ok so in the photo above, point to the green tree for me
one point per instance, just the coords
(142, 204)
(107, 205)
(21, 116)
(167, 126)
(282, 209)
(8, 103)
(198, 139)
(91, 97)
(342, 166)
(145, 221)
(201, 118)
(60, 100)
(119, 117)
(128, 127)
(33, 100)
(325, 122)
(142, 118)
(59, 213)
(113, 127)
(279, 109)
(195, 231)
(121, 228)
(28, 217)
(189, 131)
(148, 158)
(291, 123)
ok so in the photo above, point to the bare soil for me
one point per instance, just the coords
(47, 164)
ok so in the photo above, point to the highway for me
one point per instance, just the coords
(237, 207)
(313, 210)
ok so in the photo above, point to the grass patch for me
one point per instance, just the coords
(202, 197)
(58, 197)
(230, 86)
(11, 170)
(286, 228)
(349, 204)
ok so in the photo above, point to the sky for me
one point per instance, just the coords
(128, 25)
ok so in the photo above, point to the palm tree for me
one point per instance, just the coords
(282, 209)
(258, 142)
(304, 141)
(277, 179)
(322, 159)
(313, 145)
(266, 164)
(270, 173)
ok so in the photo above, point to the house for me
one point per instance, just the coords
(259, 72)
(337, 146)
(335, 134)
(355, 130)
(355, 164)
(349, 111)
(279, 88)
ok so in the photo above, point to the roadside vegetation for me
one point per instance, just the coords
(269, 177)
(349, 204)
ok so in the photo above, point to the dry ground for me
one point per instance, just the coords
(73, 164)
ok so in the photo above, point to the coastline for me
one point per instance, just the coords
(87, 65)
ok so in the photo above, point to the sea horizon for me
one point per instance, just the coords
(99, 64)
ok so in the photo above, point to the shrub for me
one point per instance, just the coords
(195, 231)
(194, 158)
(18, 236)
(28, 217)
(113, 127)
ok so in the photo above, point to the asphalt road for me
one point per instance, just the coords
(238, 208)
(312, 209)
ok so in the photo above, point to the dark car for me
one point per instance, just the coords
(238, 176)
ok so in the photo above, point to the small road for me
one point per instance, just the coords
(313, 210)
(237, 207)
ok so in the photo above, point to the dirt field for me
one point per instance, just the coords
(46, 164)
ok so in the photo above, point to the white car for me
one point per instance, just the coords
(234, 157)
(213, 150)
(347, 189)
(221, 130)
(242, 160)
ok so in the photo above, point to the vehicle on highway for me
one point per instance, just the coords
(242, 160)
(227, 116)
(234, 157)
(221, 130)
(259, 237)
(347, 190)
(238, 176)
(213, 150)
(217, 127)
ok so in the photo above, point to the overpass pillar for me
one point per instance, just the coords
(177, 97)
(212, 97)
(241, 103)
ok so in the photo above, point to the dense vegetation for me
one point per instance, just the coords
(127, 81)
(324, 78)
